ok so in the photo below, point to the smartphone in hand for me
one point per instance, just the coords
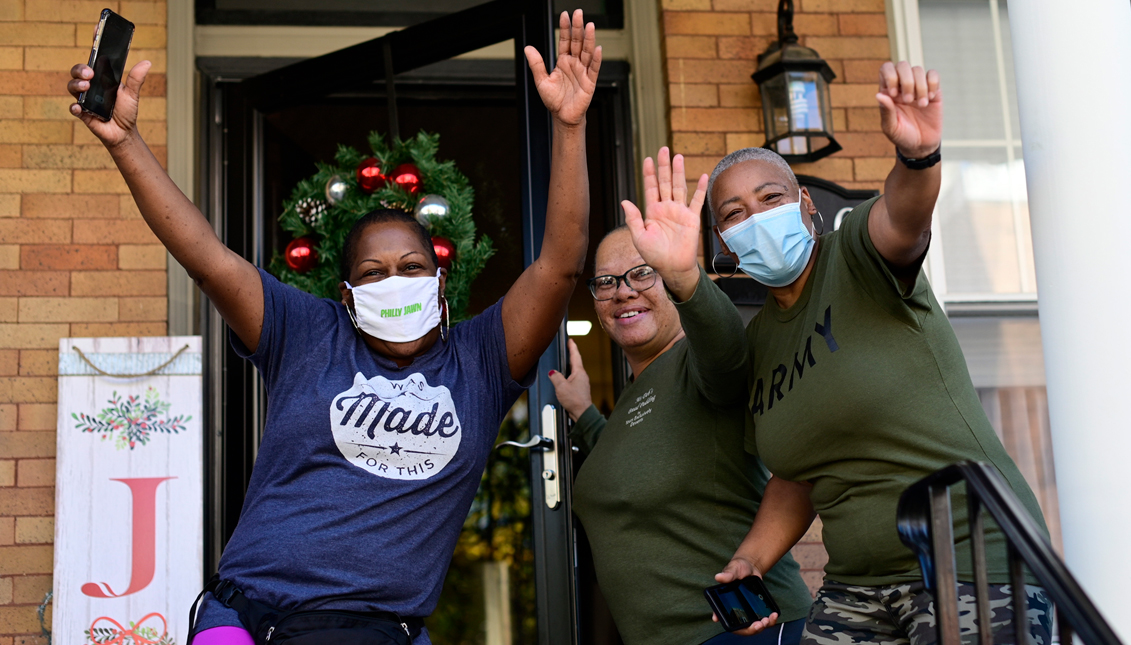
(740, 603)
(108, 60)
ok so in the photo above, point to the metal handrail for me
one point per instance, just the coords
(926, 526)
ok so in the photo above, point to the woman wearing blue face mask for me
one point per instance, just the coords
(380, 418)
(858, 387)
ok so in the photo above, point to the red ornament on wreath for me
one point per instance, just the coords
(300, 255)
(445, 251)
(408, 176)
(369, 175)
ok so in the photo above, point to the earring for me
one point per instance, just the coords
(352, 319)
(716, 269)
(444, 328)
(822, 231)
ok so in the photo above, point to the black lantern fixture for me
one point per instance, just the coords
(794, 82)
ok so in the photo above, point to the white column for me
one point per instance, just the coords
(1073, 68)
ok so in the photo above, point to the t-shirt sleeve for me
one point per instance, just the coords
(871, 271)
(484, 337)
(290, 317)
(717, 356)
(587, 429)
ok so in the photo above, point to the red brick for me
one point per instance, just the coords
(764, 23)
(840, 119)
(11, 156)
(34, 283)
(8, 307)
(68, 257)
(142, 256)
(15, 619)
(34, 180)
(80, 11)
(39, 362)
(27, 445)
(705, 23)
(744, 48)
(25, 559)
(865, 144)
(845, 95)
(693, 95)
(740, 140)
(863, 119)
(118, 283)
(741, 95)
(143, 309)
(715, 119)
(863, 24)
(7, 531)
(849, 47)
(832, 168)
(691, 47)
(67, 156)
(36, 530)
(7, 477)
(100, 182)
(842, 6)
(35, 83)
(20, 131)
(6, 365)
(700, 165)
(72, 310)
(20, 389)
(145, 12)
(816, 24)
(70, 206)
(686, 5)
(765, 6)
(35, 472)
(873, 169)
(863, 71)
(36, 417)
(22, 231)
(36, 34)
(698, 143)
(154, 85)
(30, 589)
(115, 231)
(715, 71)
(84, 330)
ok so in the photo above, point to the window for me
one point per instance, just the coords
(983, 247)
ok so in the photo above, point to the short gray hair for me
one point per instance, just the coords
(748, 154)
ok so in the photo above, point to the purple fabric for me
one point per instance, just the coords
(224, 636)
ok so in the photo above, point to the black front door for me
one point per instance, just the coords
(267, 128)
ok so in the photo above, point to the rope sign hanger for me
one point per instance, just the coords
(149, 373)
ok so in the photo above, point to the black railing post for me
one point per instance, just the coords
(1017, 591)
(981, 584)
(946, 578)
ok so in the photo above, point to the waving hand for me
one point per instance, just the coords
(568, 90)
(668, 237)
(910, 108)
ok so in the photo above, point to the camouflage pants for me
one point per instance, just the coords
(905, 615)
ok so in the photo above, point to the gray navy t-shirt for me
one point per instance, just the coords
(366, 470)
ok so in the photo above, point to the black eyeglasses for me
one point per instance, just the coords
(639, 278)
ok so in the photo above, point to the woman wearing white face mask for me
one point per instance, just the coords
(380, 418)
(858, 387)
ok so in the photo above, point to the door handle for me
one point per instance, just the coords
(551, 479)
(536, 442)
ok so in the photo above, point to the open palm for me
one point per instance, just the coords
(910, 108)
(123, 121)
(568, 90)
(668, 237)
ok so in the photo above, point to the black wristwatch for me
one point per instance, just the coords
(920, 164)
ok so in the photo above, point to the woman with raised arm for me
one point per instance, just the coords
(376, 434)
(858, 387)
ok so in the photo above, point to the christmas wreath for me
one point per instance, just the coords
(405, 176)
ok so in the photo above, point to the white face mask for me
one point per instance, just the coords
(397, 309)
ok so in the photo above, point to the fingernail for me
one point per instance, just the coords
(552, 372)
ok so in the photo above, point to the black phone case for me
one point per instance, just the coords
(86, 101)
(720, 610)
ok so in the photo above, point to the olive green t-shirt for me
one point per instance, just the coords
(667, 493)
(861, 389)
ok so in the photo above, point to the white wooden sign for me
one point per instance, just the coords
(129, 517)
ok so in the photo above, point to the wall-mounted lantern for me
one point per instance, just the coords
(794, 82)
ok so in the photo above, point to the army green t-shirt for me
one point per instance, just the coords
(667, 493)
(861, 389)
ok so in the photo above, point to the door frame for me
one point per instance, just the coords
(236, 93)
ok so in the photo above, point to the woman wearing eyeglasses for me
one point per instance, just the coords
(666, 492)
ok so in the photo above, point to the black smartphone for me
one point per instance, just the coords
(108, 60)
(740, 603)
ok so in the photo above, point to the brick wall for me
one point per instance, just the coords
(711, 49)
(75, 260)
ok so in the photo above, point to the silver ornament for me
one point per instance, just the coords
(432, 208)
(336, 189)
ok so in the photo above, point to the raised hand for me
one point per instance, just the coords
(123, 123)
(910, 108)
(568, 90)
(667, 236)
(573, 392)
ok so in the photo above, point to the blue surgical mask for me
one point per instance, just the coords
(772, 247)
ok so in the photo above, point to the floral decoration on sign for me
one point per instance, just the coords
(131, 421)
(137, 634)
